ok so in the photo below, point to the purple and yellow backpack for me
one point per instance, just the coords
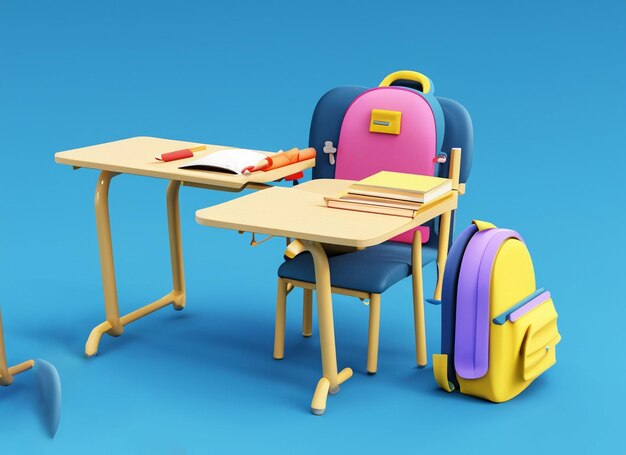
(499, 330)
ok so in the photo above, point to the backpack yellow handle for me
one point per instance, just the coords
(482, 225)
(408, 76)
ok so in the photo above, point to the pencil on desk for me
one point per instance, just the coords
(180, 154)
(281, 159)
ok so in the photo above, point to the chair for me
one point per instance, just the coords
(367, 273)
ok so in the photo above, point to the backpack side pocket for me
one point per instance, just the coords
(538, 351)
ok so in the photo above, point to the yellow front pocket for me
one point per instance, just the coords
(522, 344)
(538, 351)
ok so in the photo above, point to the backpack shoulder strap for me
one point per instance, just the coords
(443, 364)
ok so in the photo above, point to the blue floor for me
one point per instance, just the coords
(543, 85)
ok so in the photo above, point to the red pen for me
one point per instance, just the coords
(180, 154)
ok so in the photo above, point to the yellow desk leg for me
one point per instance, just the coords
(6, 377)
(373, 332)
(105, 246)
(442, 252)
(6, 372)
(318, 403)
(326, 330)
(176, 244)
(418, 300)
(114, 324)
(307, 312)
(281, 311)
(444, 223)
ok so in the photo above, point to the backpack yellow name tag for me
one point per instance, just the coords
(386, 122)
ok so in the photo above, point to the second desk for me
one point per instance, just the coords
(301, 213)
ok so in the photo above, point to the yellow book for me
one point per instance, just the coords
(397, 185)
(380, 209)
(372, 200)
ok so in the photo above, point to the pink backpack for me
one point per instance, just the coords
(391, 128)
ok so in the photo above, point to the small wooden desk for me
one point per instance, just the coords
(136, 156)
(300, 212)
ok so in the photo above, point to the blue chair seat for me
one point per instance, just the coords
(371, 270)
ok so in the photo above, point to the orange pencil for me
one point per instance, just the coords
(282, 159)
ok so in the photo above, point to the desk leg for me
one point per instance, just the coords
(419, 318)
(6, 378)
(6, 372)
(176, 244)
(442, 252)
(114, 325)
(307, 312)
(331, 379)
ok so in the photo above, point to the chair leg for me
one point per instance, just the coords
(281, 311)
(307, 312)
(373, 332)
(418, 301)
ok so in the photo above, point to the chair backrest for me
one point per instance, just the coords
(459, 133)
(341, 107)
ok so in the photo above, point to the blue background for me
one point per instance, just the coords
(543, 82)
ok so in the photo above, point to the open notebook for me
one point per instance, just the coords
(233, 161)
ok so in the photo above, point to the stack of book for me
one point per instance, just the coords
(391, 193)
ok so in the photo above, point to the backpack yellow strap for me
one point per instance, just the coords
(482, 225)
(440, 370)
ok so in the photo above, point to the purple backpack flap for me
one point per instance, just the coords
(388, 129)
(471, 345)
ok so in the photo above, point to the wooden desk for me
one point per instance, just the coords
(300, 212)
(136, 156)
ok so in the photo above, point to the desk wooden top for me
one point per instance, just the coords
(136, 156)
(301, 212)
